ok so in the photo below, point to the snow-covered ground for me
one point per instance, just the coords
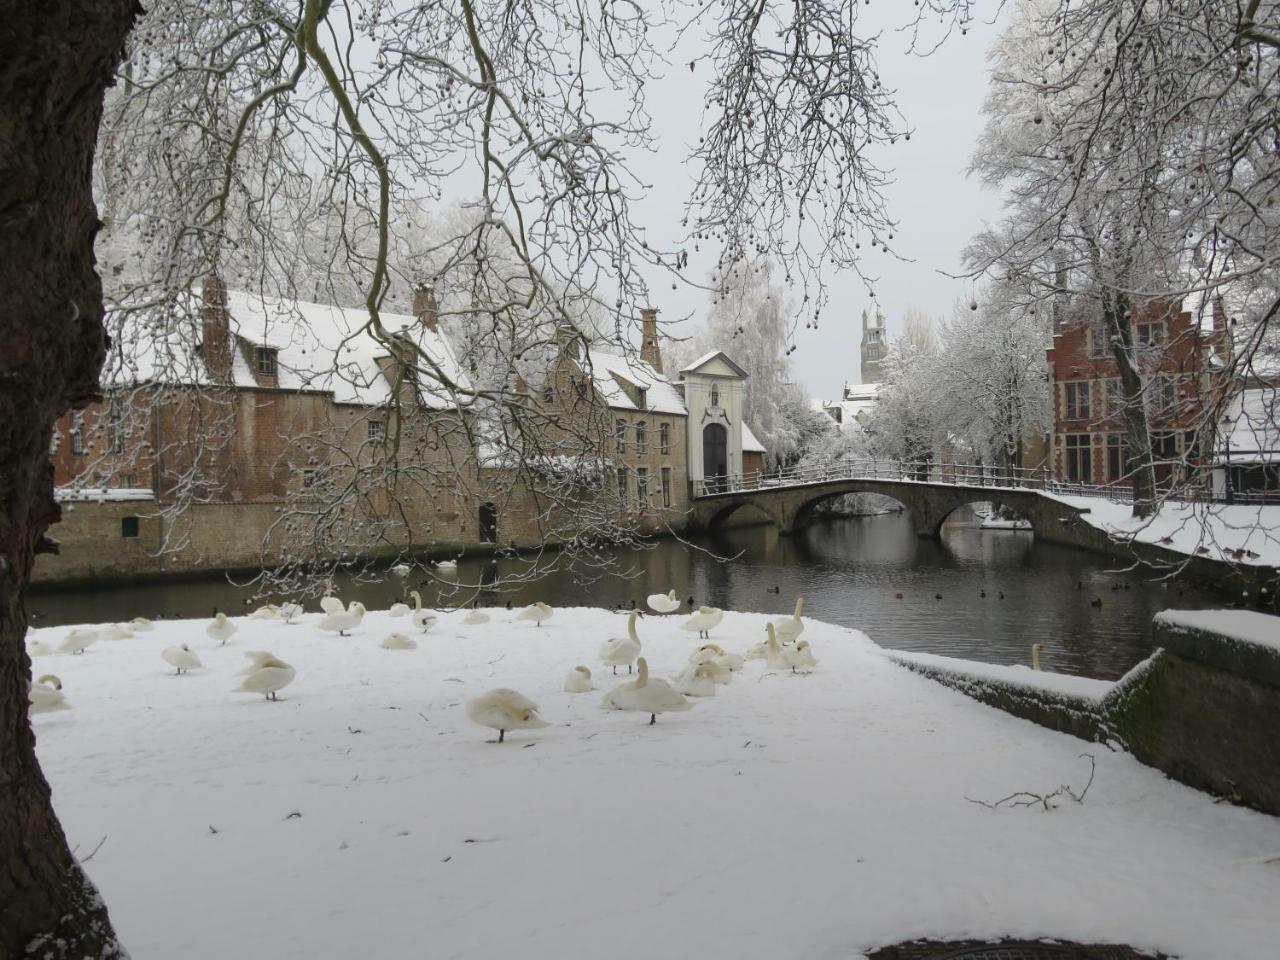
(1240, 533)
(788, 816)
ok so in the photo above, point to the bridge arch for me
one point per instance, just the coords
(998, 504)
(803, 513)
(753, 506)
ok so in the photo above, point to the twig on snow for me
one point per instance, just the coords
(1027, 798)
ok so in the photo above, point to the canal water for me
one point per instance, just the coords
(980, 594)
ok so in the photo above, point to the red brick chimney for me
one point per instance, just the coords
(216, 336)
(425, 307)
(650, 353)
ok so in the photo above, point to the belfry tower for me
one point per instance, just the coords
(874, 346)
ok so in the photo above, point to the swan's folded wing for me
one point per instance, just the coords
(331, 605)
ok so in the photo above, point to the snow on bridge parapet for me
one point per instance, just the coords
(102, 494)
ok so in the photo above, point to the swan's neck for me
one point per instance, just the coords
(671, 594)
(799, 607)
(417, 599)
(642, 666)
(631, 626)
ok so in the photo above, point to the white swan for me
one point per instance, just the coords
(423, 619)
(505, 709)
(774, 656)
(401, 570)
(800, 656)
(45, 695)
(646, 694)
(266, 612)
(398, 609)
(448, 564)
(38, 648)
(696, 681)
(221, 629)
(622, 650)
(731, 662)
(265, 674)
(663, 603)
(115, 631)
(706, 653)
(704, 621)
(757, 651)
(344, 620)
(578, 680)
(79, 640)
(140, 623)
(182, 657)
(790, 628)
(398, 641)
(1035, 655)
(290, 610)
(475, 618)
(537, 612)
(331, 604)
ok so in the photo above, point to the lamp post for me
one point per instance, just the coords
(1227, 422)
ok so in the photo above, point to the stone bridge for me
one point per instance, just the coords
(789, 502)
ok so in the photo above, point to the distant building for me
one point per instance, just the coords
(1246, 461)
(875, 345)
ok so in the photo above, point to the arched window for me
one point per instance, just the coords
(715, 395)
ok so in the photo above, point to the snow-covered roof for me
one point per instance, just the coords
(1255, 435)
(707, 358)
(749, 442)
(319, 347)
(607, 368)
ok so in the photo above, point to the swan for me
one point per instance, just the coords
(45, 695)
(757, 651)
(401, 570)
(38, 648)
(663, 603)
(704, 621)
(719, 673)
(730, 661)
(140, 623)
(1035, 655)
(790, 628)
(504, 709)
(220, 629)
(423, 619)
(331, 605)
(182, 657)
(774, 657)
(475, 617)
(578, 680)
(646, 695)
(290, 610)
(266, 612)
(344, 620)
(447, 564)
(398, 641)
(265, 675)
(537, 612)
(622, 650)
(398, 609)
(800, 656)
(706, 653)
(115, 631)
(78, 641)
(696, 681)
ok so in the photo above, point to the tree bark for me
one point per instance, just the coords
(1141, 463)
(57, 58)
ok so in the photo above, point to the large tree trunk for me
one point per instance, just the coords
(56, 59)
(1141, 462)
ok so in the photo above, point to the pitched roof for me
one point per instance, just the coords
(706, 358)
(1255, 432)
(662, 396)
(749, 442)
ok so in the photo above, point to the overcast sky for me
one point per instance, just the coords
(937, 206)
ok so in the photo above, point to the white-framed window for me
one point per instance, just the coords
(664, 438)
(264, 359)
(1077, 397)
(620, 434)
(1117, 457)
(1151, 334)
(642, 485)
(666, 486)
(77, 441)
(377, 429)
(622, 484)
(641, 440)
(1166, 394)
(1078, 456)
(1115, 397)
(128, 480)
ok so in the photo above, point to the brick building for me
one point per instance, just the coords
(1176, 356)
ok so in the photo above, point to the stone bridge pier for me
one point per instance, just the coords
(928, 504)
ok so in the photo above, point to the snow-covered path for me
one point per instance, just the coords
(789, 816)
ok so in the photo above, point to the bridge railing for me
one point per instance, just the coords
(851, 468)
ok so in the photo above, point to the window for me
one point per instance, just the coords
(265, 360)
(642, 398)
(377, 429)
(77, 441)
(1098, 343)
(308, 479)
(620, 432)
(715, 395)
(1166, 396)
(1079, 458)
(642, 486)
(115, 435)
(664, 438)
(1117, 457)
(128, 480)
(1077, 400)
(1164, 446)
(666, 486)
(622, 484)
(1150, 334)
(129, 528)
(1115, 398)
(640, 438)
(1191, 445)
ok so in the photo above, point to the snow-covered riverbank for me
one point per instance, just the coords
(788, 816)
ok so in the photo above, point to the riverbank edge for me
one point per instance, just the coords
(1202, 708)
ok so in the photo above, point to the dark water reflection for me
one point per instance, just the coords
(850, 572)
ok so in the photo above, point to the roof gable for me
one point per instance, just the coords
(715, 364)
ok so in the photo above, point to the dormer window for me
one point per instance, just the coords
(265, 361)
(715, 395)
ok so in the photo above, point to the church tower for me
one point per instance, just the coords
(874, 346)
